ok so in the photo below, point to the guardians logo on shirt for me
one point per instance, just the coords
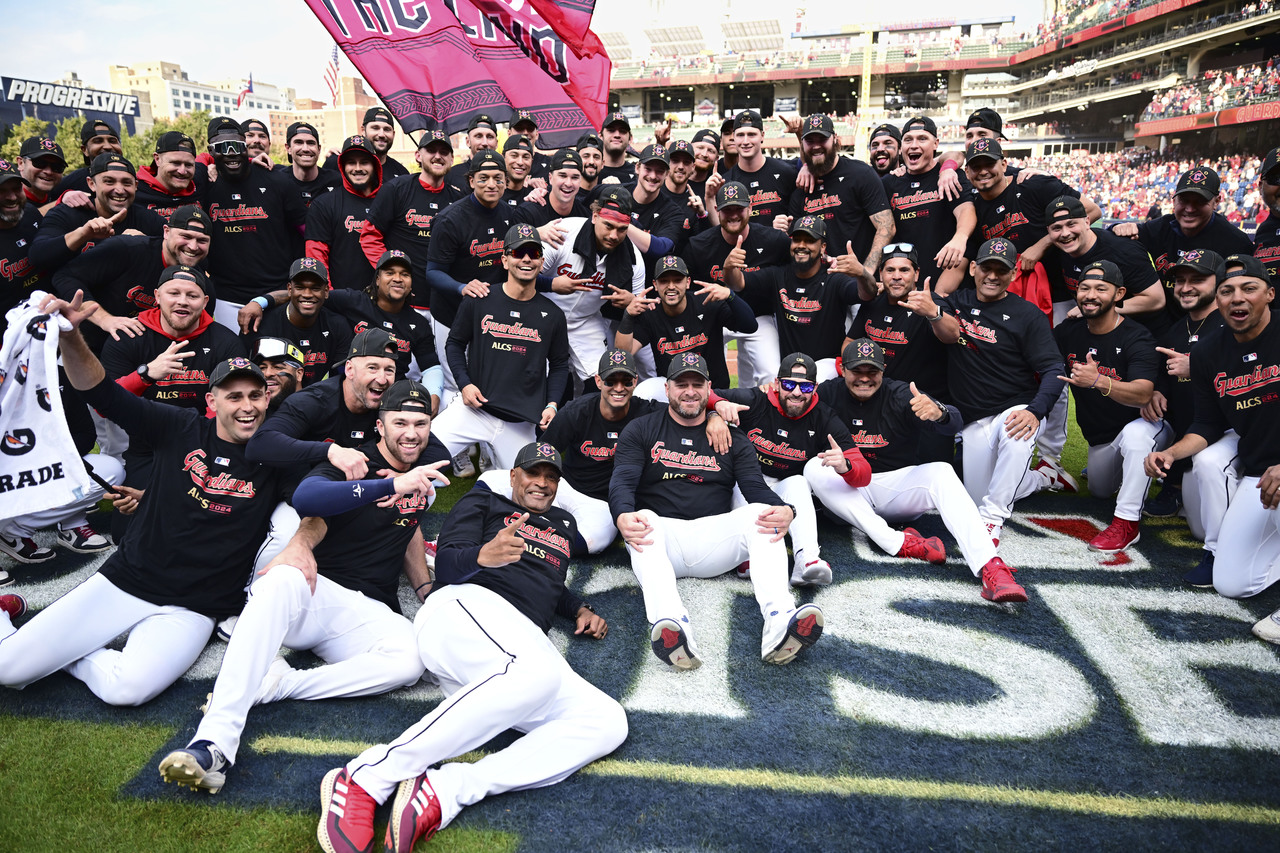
(221, 484)
(684, 344)
(481, 250)
(515, 331)
(548, 537)
(768, 447)
(353, 225)
(592, 451)
(1236, 385)
(1010, 221)
(916, 199)
(414, 219)
(690, 460)
(236, 214)
(799, 303)
(14, 269)
(866, 440)
(977, 332)
(142, 297)
(885, 335)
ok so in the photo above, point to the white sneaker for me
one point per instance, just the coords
(83, 540)
(1269, 628)
(486, 459)
(225, 627)
(1056, 478)
(811, 573)
(673, 646)
(462, 466)
(800, 628)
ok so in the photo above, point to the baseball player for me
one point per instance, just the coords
(886, 417)
(336, 219)
(509, 351)
(769, 181)
(1003, 372)
(525, 123)
(591, 149)
(615, 133)
(96, 137)
(19, 224)
(183, 565)
(282, 365)
(41, 163)
(171, 180)
(517, 151)
(379, 127)
(1232, 374)
(309, 179)
(790, 429)
(885, 146)
(675, 321)
(672, 497)
(482, 135)
(500, 581)
(564, 197)
(1112, 366)
(331, 590)
(681, 192)
(1266, 240)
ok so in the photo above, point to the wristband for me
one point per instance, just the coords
(949, 165)
(555, 406)
(263, 302)
(627, 324)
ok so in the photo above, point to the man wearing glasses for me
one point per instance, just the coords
(258, 219)
(41, 164)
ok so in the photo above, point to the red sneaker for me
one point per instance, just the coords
(1059, 479)
(744, 570)
(998, 583)
(346, 815)
(1120, 534)
(917, 547)
(13, 604)
(415, 815)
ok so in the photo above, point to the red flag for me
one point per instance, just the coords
(438, 63)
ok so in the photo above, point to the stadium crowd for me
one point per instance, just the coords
(267, 369)
(1217, 90)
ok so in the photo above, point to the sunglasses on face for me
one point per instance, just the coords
(526, 252)
(229, 147)
(793, 384)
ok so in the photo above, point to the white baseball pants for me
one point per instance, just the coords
(1119, 465)
(1207, 493)
(804, 529)
(1248, 557)
(997, 467)
(758, 353)
(460, 426)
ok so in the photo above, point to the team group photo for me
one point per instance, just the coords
(762, 428)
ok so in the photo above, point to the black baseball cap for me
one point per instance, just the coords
(254, 124)
(482, 120)
(271, 348)
(1203, 261)
(109, 161)
(988, 118)
(539, 453)
(1248, 266)
(814, 226)
(901, 250)
(566, 158)
(679, 147)
(434, 137)
(38, 146)
(688, 362)
(726, 126)
(191, 217)
(175, 140)
(707, 135)
(406, 396)
(1270, 162)
(670, 263)
(9, 172)
(524, 117)
(232, 367)
(616, 118)
(1104, 270)
(617, 361)
(375, 342)
(924, 123)
(224, 126)
(1201, 180)
(983, 148)
(617, 198)
(487, 159)
(748, 118)
(521, 234)
(590, 140)
(182, 272)
(300, 127)
(309, 266)
(820, 124)
(1000, 250)
(886, 130)
(655, 153)
(378, 114)
(1065, 207)
(732, 194)
(356, 143)
(393, 256)
(96, 127)
(787, 369)
(517, 140)
(862, 351)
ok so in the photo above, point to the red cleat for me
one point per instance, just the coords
(13, 604)
(744, 570)
(998, 583)
(1120, 534)
(1059, 479)
(346, 815)
(917, 547)
(415, 815)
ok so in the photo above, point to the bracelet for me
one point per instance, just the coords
(419, 587)
(1110, 384)
(555, 406)
(1095, 380)
(949, 165)
(263, 302)
(937, 318)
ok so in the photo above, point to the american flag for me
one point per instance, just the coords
(245, 92)
(331, 77)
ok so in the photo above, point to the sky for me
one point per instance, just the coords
(228, 42)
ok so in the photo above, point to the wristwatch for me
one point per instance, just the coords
(143, 375)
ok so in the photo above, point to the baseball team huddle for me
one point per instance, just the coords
(268, 370)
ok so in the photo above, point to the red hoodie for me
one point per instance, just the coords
(319, 249)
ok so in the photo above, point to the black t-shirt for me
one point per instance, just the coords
(336, 219)
(912, 351)
(1182, 336)
(513, 198)
(1017, 215)
(403, 213)
(770, 187)
(325, 344)
(587, 441)
(765, 247)
(693, 223)
(301, 430)
(1266, 246)
(884, 428)
(257, 233)
(516, 352)
(673, 470)
(783, 445)
(846, 197)
(922, 215)
(1004, 348)
(538, 215)
(626, 173)
(1135, 266)
(185, 387)
(1163, 239)
(466, 241)
(1125, 354)
(698, 328)
(18, 275)
(810, 311)
(662, 218)
(363, 549)
(412, 331)
(534, 584)
(326, 181)
(49, 249)
(1237, 386)
(205, 512)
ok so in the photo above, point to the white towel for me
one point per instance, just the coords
(39, 466)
